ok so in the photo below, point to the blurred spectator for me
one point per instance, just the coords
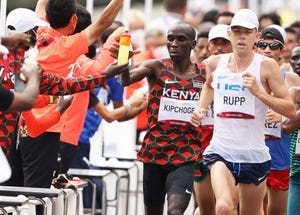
(196, 10)
(296, 26)
(210, 16)
(268, 19)
(205, 26)
(136, 28)
(109, 31)
(289, 44)
(224, 17)
(154, 40)
(136, 20)
(174, 11)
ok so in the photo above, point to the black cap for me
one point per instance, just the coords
(273, 34)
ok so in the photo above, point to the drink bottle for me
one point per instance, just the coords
(124, 48)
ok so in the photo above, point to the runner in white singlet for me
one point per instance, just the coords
(240, 85)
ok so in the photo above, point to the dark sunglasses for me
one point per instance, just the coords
(272, 46)
(33, 34)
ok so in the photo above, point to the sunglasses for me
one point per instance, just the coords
(33, 34)
(272, 46)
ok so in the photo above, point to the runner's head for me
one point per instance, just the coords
(181, 40)
(218, 40)
(271, 42)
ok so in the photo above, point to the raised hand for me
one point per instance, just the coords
(197, 116)
(114, 69)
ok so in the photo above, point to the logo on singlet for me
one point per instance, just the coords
(226, 86)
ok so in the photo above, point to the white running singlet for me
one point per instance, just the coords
(238, 116)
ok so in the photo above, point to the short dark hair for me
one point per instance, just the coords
(224, 13)
(290, 30)
(210, 16)
(84, 18)
(272, 16)
(203, 34)
(59, 12)
(187, 28)
(295, 24)
(174, 5)
(83, 21)
(110, 29)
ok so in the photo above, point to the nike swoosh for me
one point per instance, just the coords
(187, 191)
(261, 178)
(222, 76)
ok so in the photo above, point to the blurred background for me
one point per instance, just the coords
(288, 9)
(11, 4)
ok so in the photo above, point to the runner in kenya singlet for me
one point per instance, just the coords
(172, 101)
(239, 116)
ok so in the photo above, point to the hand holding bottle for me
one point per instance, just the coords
(124, 43)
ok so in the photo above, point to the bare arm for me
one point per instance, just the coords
(123, 113)
(291, 80)
(107, 115)
(281, 102)
(104, 21)
(273, 81)
(40, 9)
(150, 69)
(25, 100)
(136, 104)
(207, 93)
(289, 125)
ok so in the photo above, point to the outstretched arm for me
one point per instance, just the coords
(107, 17)
(135, 106)
(54, 85)
(149, 69)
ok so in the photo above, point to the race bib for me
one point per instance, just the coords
(272, 131)
(209, 117)
(235, 105)
(232, 99)
(176, 111)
